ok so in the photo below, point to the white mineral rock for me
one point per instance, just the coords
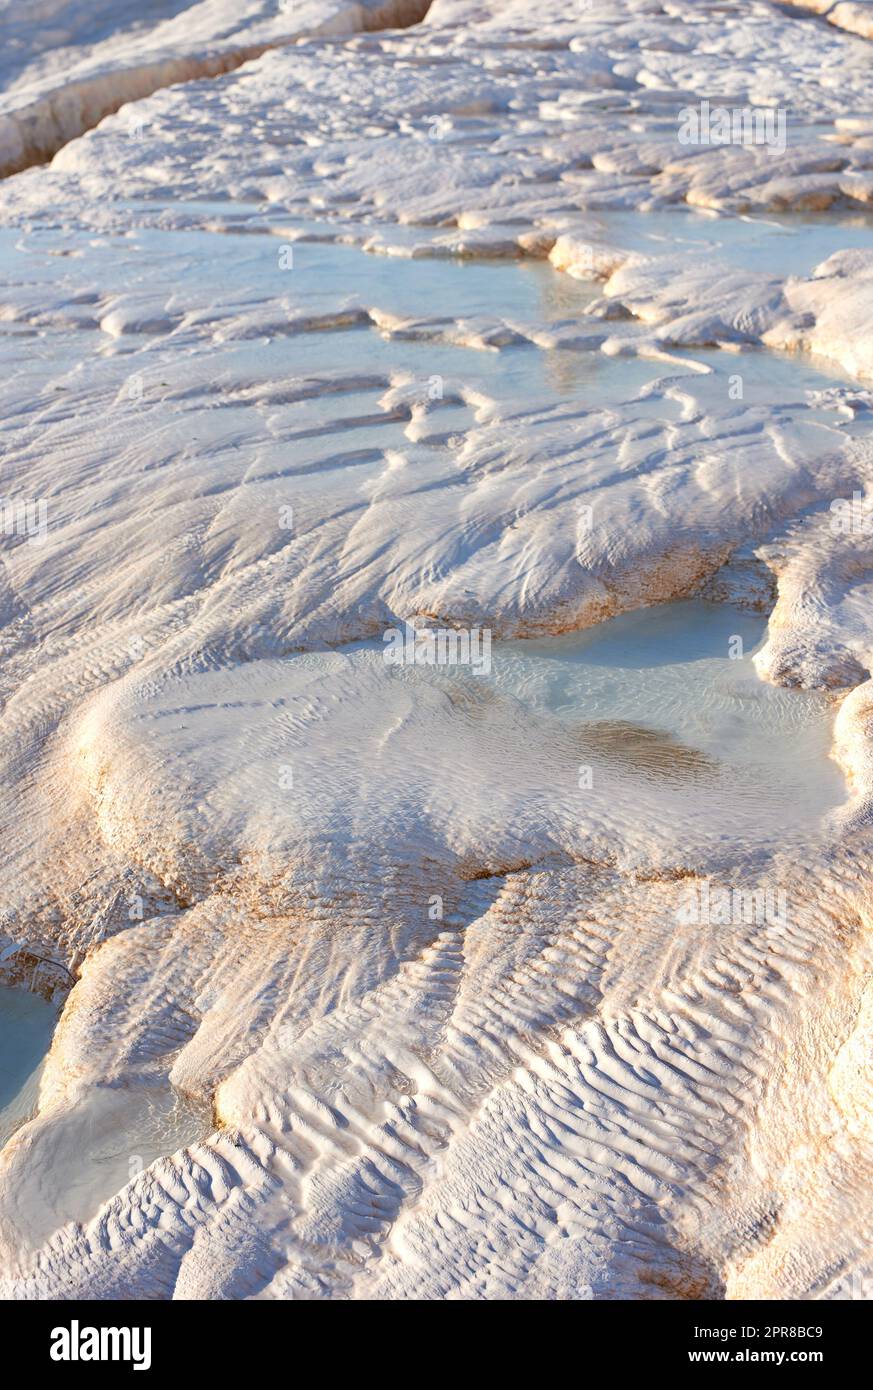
(308, 332)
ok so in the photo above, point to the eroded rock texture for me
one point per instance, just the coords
(435, 1013)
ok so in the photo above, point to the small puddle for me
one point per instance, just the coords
(27, 1023)
(778, 243)
(64, 1170)
(664, 705)
(670, 694)
(99, 1146)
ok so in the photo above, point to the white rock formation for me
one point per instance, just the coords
(269, 417)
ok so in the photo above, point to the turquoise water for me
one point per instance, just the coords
(97, 1145)
(27, 1023)
(685, 669)
(781, 244)
(88, 1151)
(683, 674)
(668, 699)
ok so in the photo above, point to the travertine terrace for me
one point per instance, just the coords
(313, 327)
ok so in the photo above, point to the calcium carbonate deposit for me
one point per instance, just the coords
(437, 623)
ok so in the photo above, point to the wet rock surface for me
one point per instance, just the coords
(546, 980)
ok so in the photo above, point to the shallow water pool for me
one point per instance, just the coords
(665, 706)
(27, 1023)
(97, 1145)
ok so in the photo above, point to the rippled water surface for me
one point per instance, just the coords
(671, 693)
